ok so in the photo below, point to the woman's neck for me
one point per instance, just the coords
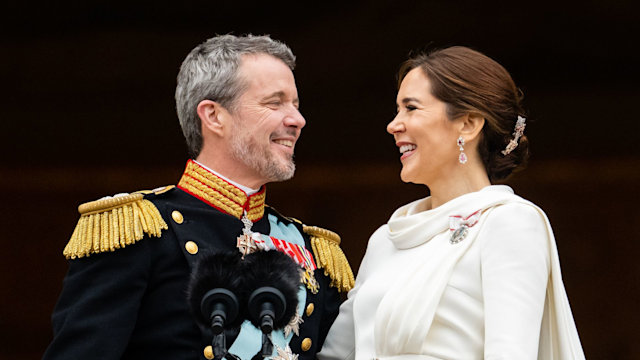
(470, 178)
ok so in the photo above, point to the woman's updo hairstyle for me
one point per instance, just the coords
(471, 82)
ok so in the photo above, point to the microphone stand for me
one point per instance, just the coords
(222, 306)
(266, 304)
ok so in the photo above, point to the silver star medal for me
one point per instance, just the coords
(309, 279)
(293, 325)
(285, 354)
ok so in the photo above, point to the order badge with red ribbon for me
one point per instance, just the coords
(301, 256)
(459, 226)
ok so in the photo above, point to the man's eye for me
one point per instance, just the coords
(410, 107)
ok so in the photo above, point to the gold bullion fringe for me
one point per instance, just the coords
(110, 224)
(329, 256)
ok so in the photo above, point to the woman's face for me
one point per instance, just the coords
(423, 133)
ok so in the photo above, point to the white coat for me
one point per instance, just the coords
(496, 294)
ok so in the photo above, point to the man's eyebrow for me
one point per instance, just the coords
(279, 94)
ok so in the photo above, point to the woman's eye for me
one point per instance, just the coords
(410, 107)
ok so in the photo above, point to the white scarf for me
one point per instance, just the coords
(406, 312)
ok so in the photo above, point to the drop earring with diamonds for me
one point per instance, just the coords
(463, 157)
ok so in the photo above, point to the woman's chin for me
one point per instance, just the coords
(411, 177)
(406, 176)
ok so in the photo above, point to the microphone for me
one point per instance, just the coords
(225, 289)
(221, 304)
(266, 305)
(214, 295)
(271, 281)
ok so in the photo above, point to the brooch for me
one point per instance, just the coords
(460, 225)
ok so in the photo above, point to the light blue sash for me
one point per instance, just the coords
(249, 341)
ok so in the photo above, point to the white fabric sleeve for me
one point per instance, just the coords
(515, 267)
(340, 343)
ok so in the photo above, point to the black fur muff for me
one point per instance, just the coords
(272, 269)
(216, 270)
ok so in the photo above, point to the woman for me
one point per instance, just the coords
(472, 271)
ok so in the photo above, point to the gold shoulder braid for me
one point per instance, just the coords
(113, 223)
(329, 256)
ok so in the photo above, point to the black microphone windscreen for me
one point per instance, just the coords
(275, 269)
(214, 270)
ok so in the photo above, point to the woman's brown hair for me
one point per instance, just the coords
(471, 82)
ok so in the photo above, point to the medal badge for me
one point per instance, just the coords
(459, 226)
(250, 241)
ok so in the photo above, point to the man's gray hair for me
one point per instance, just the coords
(210, 72)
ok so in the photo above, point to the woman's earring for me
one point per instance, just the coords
(463, 157)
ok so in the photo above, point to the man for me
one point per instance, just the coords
(131, 256)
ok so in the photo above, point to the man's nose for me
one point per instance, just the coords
(295, 119)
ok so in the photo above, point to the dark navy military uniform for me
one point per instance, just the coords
(132, 303)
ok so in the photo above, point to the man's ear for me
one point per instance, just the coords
(212, 116)
(471, 126)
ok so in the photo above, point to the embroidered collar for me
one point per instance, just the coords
(222, 195)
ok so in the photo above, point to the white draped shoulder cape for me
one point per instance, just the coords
(496, 294)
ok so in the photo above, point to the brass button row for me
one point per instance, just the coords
(306, 343)
(190, 246)
(208, 350)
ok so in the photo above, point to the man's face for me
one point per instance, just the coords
(266, 121)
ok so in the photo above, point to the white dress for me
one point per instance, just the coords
(496, 294)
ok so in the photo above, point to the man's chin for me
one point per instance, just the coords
(284, 172)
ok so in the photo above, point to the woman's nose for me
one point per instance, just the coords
(395, 126)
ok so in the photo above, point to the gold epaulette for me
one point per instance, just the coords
(113, 223)
(329, 256)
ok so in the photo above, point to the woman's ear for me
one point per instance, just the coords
(212, 116)
(471, 126)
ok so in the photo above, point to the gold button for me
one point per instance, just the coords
(208, 352)
(310, 308)
(177, 216)
(306, 344)
(192, 248)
